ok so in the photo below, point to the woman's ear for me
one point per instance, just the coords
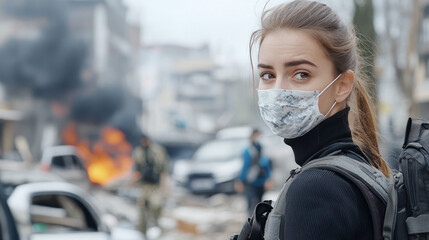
(345, 86)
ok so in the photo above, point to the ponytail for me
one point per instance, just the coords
(362, 125)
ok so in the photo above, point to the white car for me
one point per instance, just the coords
(214, 167)
(59, 210)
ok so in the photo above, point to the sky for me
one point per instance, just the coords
(225, 25)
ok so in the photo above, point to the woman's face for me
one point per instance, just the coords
(294, 60)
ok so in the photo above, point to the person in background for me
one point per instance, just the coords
(255, 175)
(150, 172)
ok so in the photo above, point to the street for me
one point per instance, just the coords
(187, 216)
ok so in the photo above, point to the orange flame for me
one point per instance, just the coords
(108, 159)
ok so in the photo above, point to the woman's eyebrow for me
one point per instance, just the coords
(299, 62)
(289, 64)
(261, 65)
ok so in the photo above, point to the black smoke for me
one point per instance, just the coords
(48, 64)
(108, 106)
(97, 106)
(126, 120)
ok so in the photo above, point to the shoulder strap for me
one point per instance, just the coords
(354, 170)
(366, 177)
(370, 181)
(394, 219)
(275, 223)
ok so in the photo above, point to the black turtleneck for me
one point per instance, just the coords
(330, 135)
(321, 204)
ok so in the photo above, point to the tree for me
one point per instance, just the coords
(364, 23)
(399, 17)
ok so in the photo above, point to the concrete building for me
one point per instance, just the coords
(185, 91)
(102, 24)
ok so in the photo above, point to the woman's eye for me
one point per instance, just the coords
(301, 76)
(266, 76)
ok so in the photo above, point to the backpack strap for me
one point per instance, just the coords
(391, 217)
(253, 228)
(275, 223)
(370, 181)
(354, 170)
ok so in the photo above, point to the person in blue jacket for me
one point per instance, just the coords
(255, 174)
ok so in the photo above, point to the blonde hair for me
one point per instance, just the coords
(340, 43)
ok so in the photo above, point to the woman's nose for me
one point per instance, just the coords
(281, 83)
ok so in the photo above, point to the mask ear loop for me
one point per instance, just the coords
(329, 85)
(332, 107)
(335, 103)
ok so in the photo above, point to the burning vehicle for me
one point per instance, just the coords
(107, 159)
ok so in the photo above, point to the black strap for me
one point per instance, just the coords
(245, 231)
(260, 215)
(253, 228)
(234, 237)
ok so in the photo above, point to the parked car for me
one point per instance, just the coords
(13, 161)
(60, 210)
(66, 162)
(213, 168)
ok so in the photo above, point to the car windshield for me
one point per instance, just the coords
(220, 150)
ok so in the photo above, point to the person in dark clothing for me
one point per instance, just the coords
(150, 173)
(255, 175)
(312, 93)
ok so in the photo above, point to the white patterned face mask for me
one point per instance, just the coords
(291, 113)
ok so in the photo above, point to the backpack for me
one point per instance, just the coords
(255, 170)
(149, 169)
(405, 193)
(150, 173)
(414, 165)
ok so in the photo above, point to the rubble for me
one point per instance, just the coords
(215, 217)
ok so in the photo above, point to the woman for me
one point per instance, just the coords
(310, 87)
